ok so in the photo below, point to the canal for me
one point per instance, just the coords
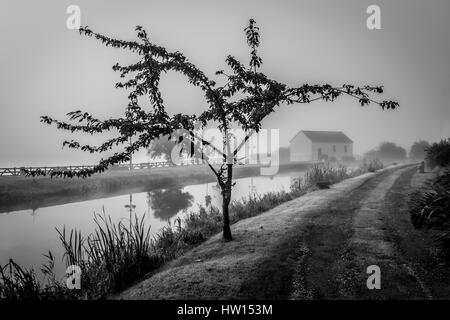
(26, 235)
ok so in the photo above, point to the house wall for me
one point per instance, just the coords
(327, 148)
(300, 148)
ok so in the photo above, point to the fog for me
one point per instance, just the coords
(47, 69)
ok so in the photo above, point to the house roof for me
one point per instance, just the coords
(325, 136)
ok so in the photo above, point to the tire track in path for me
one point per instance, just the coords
(342, 240)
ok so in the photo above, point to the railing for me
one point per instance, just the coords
(20, 171)
(155, 164)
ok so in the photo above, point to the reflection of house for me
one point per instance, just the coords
(320, 145)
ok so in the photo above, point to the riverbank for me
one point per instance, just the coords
(19, 193)
(109, 268)
(280, 253)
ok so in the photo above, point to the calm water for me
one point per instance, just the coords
(26, 235)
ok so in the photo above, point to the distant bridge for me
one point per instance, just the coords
(20, 171)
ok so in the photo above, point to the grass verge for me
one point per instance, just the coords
(430, 208)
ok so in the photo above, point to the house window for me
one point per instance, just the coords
(345, 148)
(334, 148)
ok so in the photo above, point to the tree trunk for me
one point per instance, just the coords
(226, 197)
(226, 220)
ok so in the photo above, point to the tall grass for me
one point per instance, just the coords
(326, 172)
(18, 283)
(116, 255)
(113, 256)
(371, 165)
(255, 204)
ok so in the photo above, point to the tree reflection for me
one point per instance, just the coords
(166, 203)
(208, 200)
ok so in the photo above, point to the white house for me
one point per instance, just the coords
(320, 145)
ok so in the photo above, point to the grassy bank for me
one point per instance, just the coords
(430, 206)
(118, 255)
(19, 193)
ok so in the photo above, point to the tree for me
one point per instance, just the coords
(164, 146)
(418, 148)
(244, 100)
(438, 154)
(161, 148)
(371, 154)
(387, 151)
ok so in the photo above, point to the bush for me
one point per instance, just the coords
(430, 209)
(204, 221)
(372, 165)
(418, 150)
(321, 174)
(255, 204)
(438, 154)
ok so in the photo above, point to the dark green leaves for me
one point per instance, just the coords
(252, 34)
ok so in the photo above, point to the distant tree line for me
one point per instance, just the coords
(389, 152)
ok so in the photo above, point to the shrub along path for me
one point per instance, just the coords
(315, 246)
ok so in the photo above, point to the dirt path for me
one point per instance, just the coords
(370, 226)
(317, 246)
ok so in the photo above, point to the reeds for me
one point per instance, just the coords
(325, 172)
(371, 165)
(18, 283)
(113, 256)
(256, 204)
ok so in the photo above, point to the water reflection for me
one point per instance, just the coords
(208, 200)
(130, 206)
(252, 187)
(166, 203)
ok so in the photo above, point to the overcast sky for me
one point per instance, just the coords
(46, 69)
